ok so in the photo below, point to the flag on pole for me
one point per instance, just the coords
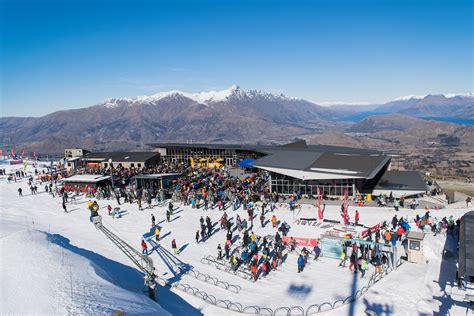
(12, 152)
(345, 203)
(320, 213)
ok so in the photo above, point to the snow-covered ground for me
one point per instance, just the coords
(58, 263)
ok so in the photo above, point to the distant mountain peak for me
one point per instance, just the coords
(431, 96)
(234, 92)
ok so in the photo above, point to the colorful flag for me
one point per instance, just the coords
(1, 152)
(12, 152)
(320, 213)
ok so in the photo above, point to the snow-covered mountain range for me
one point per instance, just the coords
(230, 115)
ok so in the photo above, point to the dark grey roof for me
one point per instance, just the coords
(298, 145)
(401, 180)
(366, 165)
(466, 245)
(139, 156)
(297, 160)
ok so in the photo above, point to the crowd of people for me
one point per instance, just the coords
(214, 190)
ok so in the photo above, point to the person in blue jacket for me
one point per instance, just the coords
(300, 263)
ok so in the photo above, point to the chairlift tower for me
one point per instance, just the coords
(143, 262)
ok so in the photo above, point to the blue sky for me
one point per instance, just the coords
(68, 54)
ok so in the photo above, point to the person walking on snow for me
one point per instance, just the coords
(219, 252)
(157, 233)
(20, 192)
(356, 217)
(300, 263)
(197, 237)
(144, 248)
(64, 207)
(174, 247)
(152, 220)
(274, 221)
(168, 215)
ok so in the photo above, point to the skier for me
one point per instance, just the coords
(197, 237)
(152, 220)
(356, 217)
(175, 248)
(109, 209)
(170, 207)
(64, 207)
(144, 248)
(20, 192)
(262, 219)
(168, 214)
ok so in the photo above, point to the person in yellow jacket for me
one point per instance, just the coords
(252, 237)
(157, 233)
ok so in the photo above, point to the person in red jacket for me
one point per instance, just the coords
(357, 217)
(400, 232)
(144, 247)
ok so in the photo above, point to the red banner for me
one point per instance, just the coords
(301, 241)
(373, 229)
(320, 214)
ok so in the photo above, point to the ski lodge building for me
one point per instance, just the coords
(299, 167)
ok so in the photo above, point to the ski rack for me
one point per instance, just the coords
(144, 263)
(224, 266)
(179, 267)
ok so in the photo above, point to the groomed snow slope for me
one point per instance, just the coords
(44, 274)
